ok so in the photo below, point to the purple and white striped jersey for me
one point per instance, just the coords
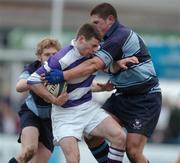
(79, 90)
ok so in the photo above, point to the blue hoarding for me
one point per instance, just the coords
(166, 59)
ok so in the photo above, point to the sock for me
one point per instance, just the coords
(13, 160)
(115, 155)
(100, 152)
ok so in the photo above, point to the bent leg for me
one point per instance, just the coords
(99, 146)
(112, 131)
(134, 147)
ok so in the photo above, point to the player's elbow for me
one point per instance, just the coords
(98, 63)
(18, 88)
(22, 86)
(100, 66)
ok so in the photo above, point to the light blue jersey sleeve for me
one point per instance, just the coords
(24, 75)
(105, 57)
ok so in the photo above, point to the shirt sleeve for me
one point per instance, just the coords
(24, 75)
(110, 51)
(35, 77)
(104, 56)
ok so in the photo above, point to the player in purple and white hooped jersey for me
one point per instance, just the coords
(79, 115)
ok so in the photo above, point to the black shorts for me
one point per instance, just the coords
(44, 126)
(137, 113)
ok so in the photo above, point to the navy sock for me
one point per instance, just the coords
(13, 160)
(100, 152)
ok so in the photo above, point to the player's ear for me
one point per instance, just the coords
(81, 38)
(110, 19)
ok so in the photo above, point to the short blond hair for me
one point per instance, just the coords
(47, 43)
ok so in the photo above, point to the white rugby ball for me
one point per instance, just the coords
(57, 89)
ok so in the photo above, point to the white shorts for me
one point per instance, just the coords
(75, 121)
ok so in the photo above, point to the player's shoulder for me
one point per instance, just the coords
(122, 32)
(32, 66)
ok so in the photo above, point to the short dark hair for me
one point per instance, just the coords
(104, 10)
(89, 31)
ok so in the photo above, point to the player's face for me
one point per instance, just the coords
(47, 52)
(87, 47)
(101, 24)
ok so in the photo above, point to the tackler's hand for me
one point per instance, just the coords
(53, 77)
(127, 62)
(106, 87)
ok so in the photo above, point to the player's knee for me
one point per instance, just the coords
(29, 152)
(133, 153)
(94, 141)
(119, 139)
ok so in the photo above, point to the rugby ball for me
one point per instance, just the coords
(57, 89)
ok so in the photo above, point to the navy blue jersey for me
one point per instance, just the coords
(35, 103)
(121, 42)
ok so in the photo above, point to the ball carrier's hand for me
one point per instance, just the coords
(61, 99)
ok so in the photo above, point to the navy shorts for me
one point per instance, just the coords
(137, 113)
(44, 126)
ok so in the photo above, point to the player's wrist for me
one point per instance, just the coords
(54, 100)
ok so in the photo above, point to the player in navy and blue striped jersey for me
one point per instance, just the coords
(137, 102)
(35, 114)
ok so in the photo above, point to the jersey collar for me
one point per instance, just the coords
(75, 48)
(111, 30)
